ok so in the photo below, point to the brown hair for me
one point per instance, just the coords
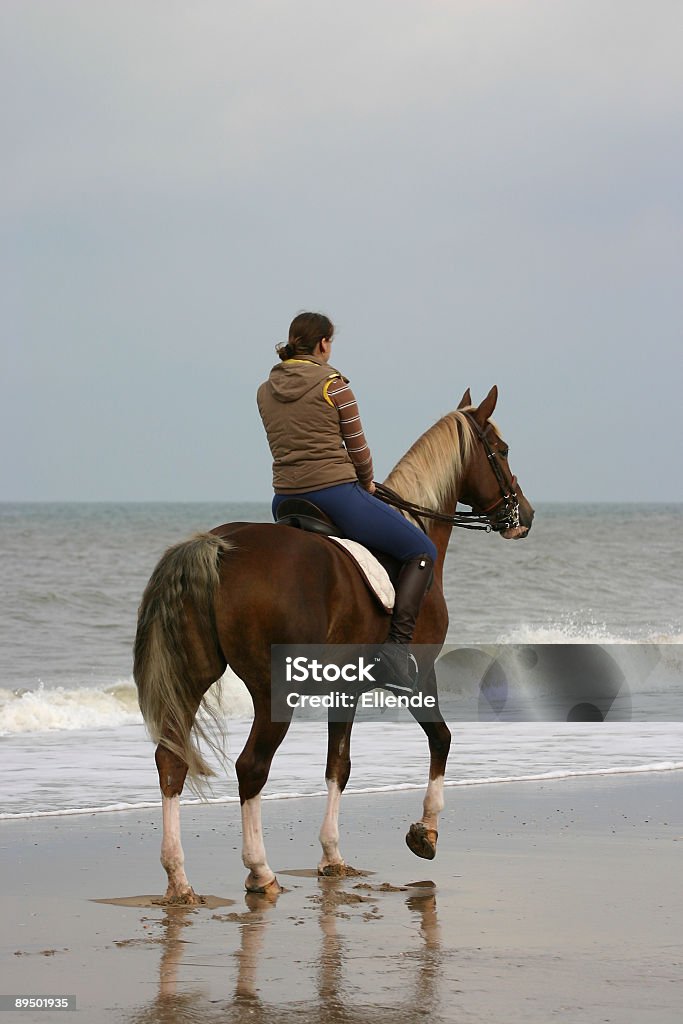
(305, 332)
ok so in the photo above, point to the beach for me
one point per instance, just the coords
(555, 894)
(554, 900)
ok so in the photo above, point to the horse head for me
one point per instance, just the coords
(488, 484)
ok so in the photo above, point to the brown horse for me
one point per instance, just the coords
(223, 598)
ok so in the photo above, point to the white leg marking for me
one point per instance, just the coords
(433, 803)
(172, 856)
(253, 850)
(329, 830)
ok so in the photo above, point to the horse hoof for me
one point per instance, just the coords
(181, 898)
(272, 888)
(332, 870)
(422, 841)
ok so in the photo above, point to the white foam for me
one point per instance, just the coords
(52, 709)
(571, 632)
(554, 776)
(49, 710)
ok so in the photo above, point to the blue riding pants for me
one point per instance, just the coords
(363, 517)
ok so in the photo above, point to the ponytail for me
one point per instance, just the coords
(285, 351)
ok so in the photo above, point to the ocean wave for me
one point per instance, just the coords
(573, 632)
(49, 710)
(401, 787)
(52, 709)
(653, 665)
(654, 661)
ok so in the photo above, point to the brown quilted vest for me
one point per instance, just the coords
(303, 429)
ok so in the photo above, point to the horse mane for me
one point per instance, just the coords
(428, 472)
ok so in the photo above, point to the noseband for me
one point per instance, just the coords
(502, 515)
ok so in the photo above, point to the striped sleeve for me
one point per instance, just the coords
(341, 396)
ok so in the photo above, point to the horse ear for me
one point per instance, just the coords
(465, 400)
(485, 410)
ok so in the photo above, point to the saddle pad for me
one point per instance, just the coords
(374, 572)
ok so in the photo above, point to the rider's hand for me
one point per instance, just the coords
(370, 488)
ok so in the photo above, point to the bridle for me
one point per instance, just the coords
(502, 515)
(507, 506)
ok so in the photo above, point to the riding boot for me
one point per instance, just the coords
(398, 668)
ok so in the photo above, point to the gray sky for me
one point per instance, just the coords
(476, 192)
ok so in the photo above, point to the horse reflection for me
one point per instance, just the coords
(339, 986)
(252, 938)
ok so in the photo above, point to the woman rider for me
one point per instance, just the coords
(320, 454)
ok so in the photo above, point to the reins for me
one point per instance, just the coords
(467, 520)
(506, 519)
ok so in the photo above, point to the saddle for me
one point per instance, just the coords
(304, 515)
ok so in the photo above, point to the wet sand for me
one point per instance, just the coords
(554, 901)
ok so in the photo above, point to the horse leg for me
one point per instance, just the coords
(172, 773)
(253, 766)
(337, 774)
(423, 834)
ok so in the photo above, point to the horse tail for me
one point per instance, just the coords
(186, 579)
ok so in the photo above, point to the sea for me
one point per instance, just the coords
(607, 577)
